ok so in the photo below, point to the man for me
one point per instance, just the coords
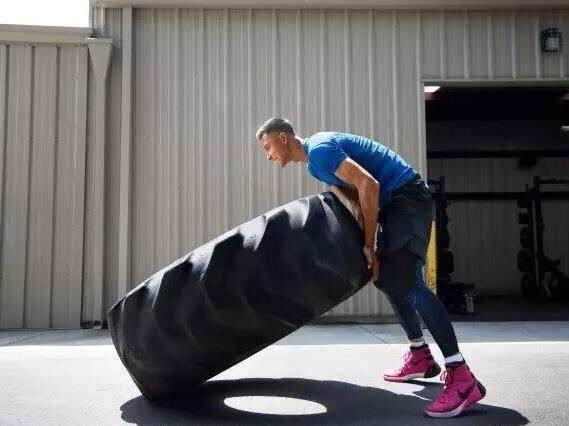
(383, 187)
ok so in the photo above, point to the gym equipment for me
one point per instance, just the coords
(542, 279)
(237, 294)
(458, 297)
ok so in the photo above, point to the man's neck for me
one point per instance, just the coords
(297, 147)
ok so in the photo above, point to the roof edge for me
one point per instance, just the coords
(339, 4)
(43, 34)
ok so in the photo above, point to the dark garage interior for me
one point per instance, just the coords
(498, 166)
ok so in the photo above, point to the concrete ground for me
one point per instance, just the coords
(327, 374)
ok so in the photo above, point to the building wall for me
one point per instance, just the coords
(180, 165)
(203, 80)
(43, 134)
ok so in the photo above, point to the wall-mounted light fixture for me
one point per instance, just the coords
(551, 40)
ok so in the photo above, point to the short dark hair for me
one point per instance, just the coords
(275, 124)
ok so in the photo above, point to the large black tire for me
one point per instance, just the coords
(237, 294)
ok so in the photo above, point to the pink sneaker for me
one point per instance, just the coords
(418, 364)
(460, 392)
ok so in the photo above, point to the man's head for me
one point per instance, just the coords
(278, 140)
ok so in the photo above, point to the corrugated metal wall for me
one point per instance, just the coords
(43, 118)
(458, 45)
(203, 80)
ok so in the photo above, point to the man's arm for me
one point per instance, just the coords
(368, 193)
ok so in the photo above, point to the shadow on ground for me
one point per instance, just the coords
(345, 404)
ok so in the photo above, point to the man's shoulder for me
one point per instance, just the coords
(321, 137)
(336, 138)
(321, 142)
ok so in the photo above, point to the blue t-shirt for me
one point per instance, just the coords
(326, 150)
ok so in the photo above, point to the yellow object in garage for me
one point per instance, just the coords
(432, 260)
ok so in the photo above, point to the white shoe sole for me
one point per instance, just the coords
(424, 375)
(458, 410)
(461, 408)
(404, 378)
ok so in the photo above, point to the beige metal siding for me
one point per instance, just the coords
(43, 135)
(112, 159)
(203, 80)
(458, 45)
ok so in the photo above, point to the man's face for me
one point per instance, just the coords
(276, 148)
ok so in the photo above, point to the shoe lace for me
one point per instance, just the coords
(406, 360)
(450, 388)
(407, 357)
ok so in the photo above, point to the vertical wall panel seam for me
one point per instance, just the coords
(55, 182)
(421, 140)
(181, 110)
(274, 93)
(442, 45)
(371, 73)
(536, 46)
(299, 90)
(173, 137)
(513, 45)
(86, 278)
(250, 157)
(83, 321)
(202, 181)
(466, 44)
(347, 98)
(490, 45)
(103, 21)
(154, 29)
(174, 140)
(125, 266)
(4, 137)
(226, 112)
(323, 81)
(348, 101)
(82, 61)
(560, 19)
(29, 183)
(394, 81)
(419, 91)
(187, 135)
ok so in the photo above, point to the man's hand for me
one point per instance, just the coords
(372, 264)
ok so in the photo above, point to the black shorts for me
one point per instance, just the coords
(403, 236)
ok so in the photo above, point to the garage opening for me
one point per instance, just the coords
(498, 167)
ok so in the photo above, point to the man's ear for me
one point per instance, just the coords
(284, 138)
